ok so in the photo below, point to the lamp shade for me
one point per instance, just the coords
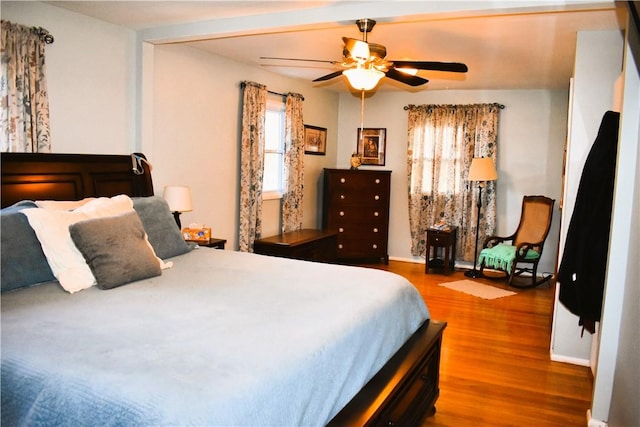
(482, 169)
(178, 198)
(363, 78)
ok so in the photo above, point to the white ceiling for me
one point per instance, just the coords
(517, 48)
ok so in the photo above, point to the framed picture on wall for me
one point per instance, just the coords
(371, 145)
(315, 140)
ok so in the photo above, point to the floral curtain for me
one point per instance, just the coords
(254, 108)
(24, 119)
(442, 141)
(293, 164)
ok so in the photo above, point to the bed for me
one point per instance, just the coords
(178, 335)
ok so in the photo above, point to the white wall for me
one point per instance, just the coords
(197, 105)
(617, 382)
(598, 64)
(194, 109)
(90, 76)
(532, 132)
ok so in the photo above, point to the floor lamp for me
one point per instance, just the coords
(482, 169)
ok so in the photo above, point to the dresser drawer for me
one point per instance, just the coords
(343, 197)
(361, 247)
(352, 214)
(357, 229)
(363, 180)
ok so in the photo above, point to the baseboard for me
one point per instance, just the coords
(571, 360)
(592, 422)
(420, 260)
(412, 260)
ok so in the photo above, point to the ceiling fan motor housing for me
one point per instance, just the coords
(365, 26)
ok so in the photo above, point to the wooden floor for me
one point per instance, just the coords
(495, 366)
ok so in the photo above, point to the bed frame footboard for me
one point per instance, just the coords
(405, 390)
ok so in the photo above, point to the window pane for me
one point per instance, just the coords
(273, 130)
(272, 172)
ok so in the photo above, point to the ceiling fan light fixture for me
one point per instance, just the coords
(363, 78)
(360, 50)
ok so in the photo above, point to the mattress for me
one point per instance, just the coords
(222, 338)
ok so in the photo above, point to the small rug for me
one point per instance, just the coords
(477, 289)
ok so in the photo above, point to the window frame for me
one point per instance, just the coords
(278, 106)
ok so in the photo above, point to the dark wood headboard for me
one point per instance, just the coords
(48, 176)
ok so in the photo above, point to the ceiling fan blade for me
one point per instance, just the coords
(455, 67)
(394, 74)
(328, 76)
(300, 59)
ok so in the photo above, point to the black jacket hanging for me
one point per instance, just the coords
(583, 267)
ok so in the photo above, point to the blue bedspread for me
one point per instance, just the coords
(222, 338)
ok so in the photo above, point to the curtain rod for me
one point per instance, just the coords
(500, 106)
(44, 35)
(244, 83)
(284, 95)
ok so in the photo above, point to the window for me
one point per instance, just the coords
(272, 186)
(442, 169)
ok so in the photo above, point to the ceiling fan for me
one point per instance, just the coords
(364, 63)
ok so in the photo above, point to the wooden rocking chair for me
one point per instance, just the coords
(526, 243)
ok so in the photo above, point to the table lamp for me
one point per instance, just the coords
(179, 200)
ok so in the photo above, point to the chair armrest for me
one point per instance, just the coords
(491, 241)
(525, 247)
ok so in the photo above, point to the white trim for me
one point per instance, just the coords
(592, 422)
(402, 259)
(271, 195)
(571, 360)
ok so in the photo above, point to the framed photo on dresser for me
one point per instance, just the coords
(371, 145)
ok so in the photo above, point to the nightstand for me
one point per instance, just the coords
(445, 239)
(214, 242)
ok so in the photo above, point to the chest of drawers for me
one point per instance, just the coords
(356, 205)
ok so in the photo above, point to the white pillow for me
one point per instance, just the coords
(63, 205)
(52, 229)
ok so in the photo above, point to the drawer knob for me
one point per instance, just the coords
(375, 229)
(342, 196)
(341, 230)
(376, 197)
(377, 181)
(340, 246)
(342, 180)
(376, 213)
(341, 213)
(374, 246)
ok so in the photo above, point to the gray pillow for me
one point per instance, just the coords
(161, 228)
(22, 261)
(116, 249)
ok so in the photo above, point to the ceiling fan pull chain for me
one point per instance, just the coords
(361, 116)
